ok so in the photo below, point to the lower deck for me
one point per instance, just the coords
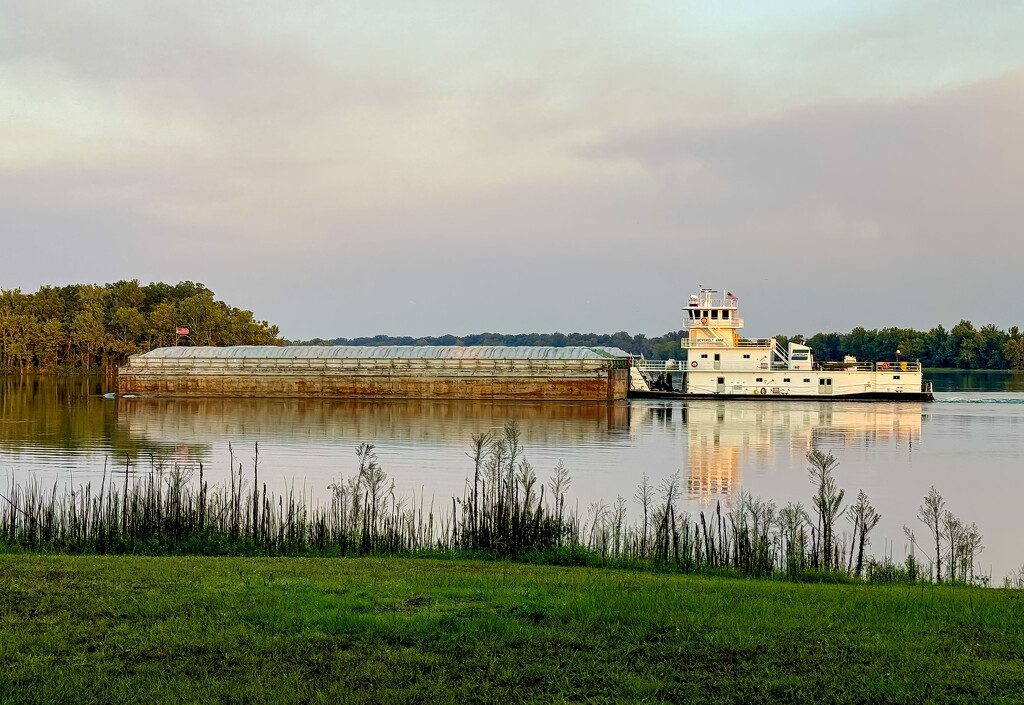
(884, 382)
(924, 395)
(812, 383)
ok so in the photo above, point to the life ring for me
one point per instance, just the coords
(693, 364)
(704, 321)
(885, 365)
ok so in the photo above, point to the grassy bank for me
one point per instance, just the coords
(159, 629)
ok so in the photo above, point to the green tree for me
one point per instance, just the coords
(52, 341)
(990, 353)
(1013, 348)
(965, 344)
(933, 348)
(128, 326)
(87, 335)
(162, 324)
(202, 317)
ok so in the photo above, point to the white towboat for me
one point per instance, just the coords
(719, 363)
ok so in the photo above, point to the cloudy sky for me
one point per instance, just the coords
(416, 167)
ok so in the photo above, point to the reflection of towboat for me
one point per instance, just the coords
(723, 438)
(720, 363)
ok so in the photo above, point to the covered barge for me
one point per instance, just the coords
(380, 372)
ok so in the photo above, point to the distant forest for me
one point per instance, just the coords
(84, 326)
(962, 347)
(80, 327)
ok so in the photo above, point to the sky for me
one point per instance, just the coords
(423, 168)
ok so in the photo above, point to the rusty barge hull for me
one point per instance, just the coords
(610, 386)
(385, 378)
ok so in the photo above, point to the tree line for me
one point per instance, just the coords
(962, 347)
(85, 326)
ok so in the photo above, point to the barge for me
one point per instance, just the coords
(380, 372)
(719, 363)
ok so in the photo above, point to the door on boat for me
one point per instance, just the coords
(824, 385)
(718, 361)
(721, 382)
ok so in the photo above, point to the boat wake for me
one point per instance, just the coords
(941, 398)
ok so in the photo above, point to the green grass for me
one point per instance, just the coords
(85, 629)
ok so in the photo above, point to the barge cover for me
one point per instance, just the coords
(390, 371)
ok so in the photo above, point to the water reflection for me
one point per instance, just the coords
(160, 422)
(722, 437)
(968, 445)
(977, 381)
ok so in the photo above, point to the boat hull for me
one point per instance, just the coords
(864, 396)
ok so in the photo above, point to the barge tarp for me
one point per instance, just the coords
(390, 371)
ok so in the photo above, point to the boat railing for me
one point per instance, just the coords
(847, 366)
(727, 343)
(901, 366)
(657, 365)
(724, 323)
(708, 301)
(777, 366)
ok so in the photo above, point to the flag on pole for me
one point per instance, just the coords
(182, 331)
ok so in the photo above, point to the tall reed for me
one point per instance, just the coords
(503, 513)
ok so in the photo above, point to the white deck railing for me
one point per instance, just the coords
(727, 343)
(657, 365)
(706, 300)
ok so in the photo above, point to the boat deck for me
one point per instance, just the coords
(866, 396)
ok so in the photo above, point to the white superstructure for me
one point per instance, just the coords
(720, 362)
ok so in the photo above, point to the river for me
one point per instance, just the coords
(968, 444)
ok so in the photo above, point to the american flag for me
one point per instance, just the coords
(182, 331)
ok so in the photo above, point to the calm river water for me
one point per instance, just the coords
(968, 444)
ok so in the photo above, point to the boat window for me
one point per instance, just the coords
(725, 314)
(704, 355)
(759, 379)
(807, 379)
(785, 379)
(821, 381)
(714, 314)
(746, 357)
(717, 356)
(895, 376)
(721, 380)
